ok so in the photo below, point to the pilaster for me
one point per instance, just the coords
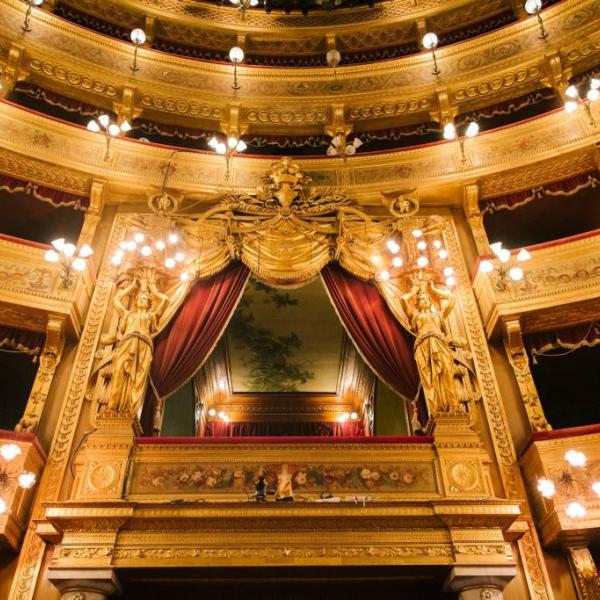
(475, 217)
(94, 212)
(584, 572)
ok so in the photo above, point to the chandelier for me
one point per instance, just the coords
(509, 265)
(69, 258)
(24, 479)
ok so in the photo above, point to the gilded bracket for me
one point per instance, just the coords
(584, 572)
(475, 217)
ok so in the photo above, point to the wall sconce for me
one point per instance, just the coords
(592, 94)
(138, 37)
(228, 149)
(30, 4)
(533, 7)
(236, 56)
(333, 58)
(547, 488)
(430, 42)
(348, 416)
(213, 414)
(339, 146)
(244, 5)
(25, 479)
(450, 133)
(70, 261)
(508, 270)
(103, 124)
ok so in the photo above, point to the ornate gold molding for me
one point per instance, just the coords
(584, 571)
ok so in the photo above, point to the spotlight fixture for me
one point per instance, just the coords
(30, 4)
(340, 146)
(244, 5)
(236, 56)
(580, 95)
(534, 7)
(25, 479)
(105, 125)
(430, 42)
(69, 258)
(451, 133)
(138, 37)
(228, 148)
(508, 269)
(333, 58)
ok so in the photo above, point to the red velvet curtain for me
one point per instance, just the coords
(19, 340)
(283, 429)
(184, 345)
(376, 333)
(41, 192)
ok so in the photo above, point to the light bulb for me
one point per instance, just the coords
(533, 6)
(146, 251)
(212, 412)
(384, 275)
(173, 238)
(496, 248)
(69, 250)
(236, 55)
(114, 130)
(333, 57)
(437, 244)
(3, 506)
(422, 261)
(354, 415)
(123, 245)
(226, 418)
(596, 488)
(430, 41)
(504, 255)
(9, 451)
(393, 246)
(232, 142)
(417, 233)
(170, 263)
(486, 266)
(125, 126)
(139, 237)
(516, 273)
(595, 84)
(397, 262)
(85, 251)
(213, 142)
(221, 414)
(450, 281)
(546, 488)
(104, 120)
(116, 260)
(472, 129)
(79, 264)
(575, 458)
(570, 106)
(93, 126)
(138, 37)
(376, 259)
(221, 148)
(52, 256)
(449, 131)
(160, 245)
(179, 256)
(443, 254)
(422, 245)
(448, 271)
(575, 510)
(184, 276)
(59, 243)
(131, 246)
(26, 480)
(241, 146)
(593, 95)
(523, 255)
(571, 91)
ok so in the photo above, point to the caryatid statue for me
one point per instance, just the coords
(131, 356)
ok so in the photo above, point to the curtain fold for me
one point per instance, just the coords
(43, 193)
(284, 429)
(183, 346)
(21, 341)
(568, 338)
(378, 336)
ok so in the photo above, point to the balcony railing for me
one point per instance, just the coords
(560, 288)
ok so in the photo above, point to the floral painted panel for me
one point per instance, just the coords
(211, 479)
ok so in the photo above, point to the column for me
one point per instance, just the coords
(584, 572)
(479, 583)
(84, 584)
(519, 361)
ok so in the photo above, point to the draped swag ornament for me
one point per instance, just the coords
(21, 341)
(553, 343)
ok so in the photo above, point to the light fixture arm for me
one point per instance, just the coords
(134, 67)
(588, 111)
(236, 85)
(543, 32)
(436, 70)
(26, 26)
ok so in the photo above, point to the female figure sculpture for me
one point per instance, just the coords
(132, 355)
(433, 353)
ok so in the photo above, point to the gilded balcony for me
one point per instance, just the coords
(15, 501)
(559, 522)
(561, 286)
(32, 290)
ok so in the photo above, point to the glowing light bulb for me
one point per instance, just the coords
(139, 238)
(93, 126)
(138, 37)
(180, 256)
(104, 120)
(184, 276)
(9, 451)
(212, 412)
(397, 262)
(3, 507)
(575, 458)
(496, 248)
(125, 127)
(575, 510)
(354, 415)
(232, 142)
(116, 260)
(85, 251)
(450, 281)
(430, 41)
(384, 275)
(69, 250)
(570, 106)
(504, 255)
(523, 255)
(146, 251)
(79, 264)
(596, 488)
(123, 245)
(486, 266)
(449, 131)
(114, 129)
(516, 273)
(170, 263)
(422, 245)
(131, 246)
(417, 233)
(221, 414)
(26, 480)
(173, 238)
(472, 129)
(443, 254)
(376, 259)
(546, 488)
(160, 245)
(422, 261)
(437, 244)
(393, 246)
(571, 91)
(59, 244)
(241, 146)
(51, 256)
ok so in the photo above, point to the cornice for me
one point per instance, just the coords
(510, 61)
(135, 166)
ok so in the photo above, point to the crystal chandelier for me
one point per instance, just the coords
(451, 133)
(70, 259)
(25, 479)
(509, 267)
(227, 148)
(584, 97)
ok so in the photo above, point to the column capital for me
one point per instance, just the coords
(479, 582)
(85, 584)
